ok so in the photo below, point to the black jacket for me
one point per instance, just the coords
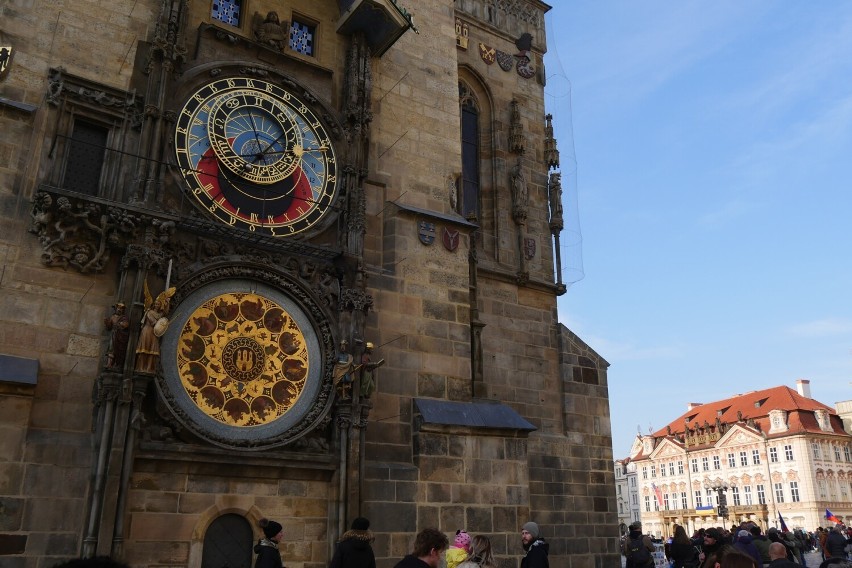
(683, 554)
(536, 556)
(411, 561)
(354, 551)
(267, 555)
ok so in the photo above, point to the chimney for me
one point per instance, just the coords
(691, 405)
(804, 387)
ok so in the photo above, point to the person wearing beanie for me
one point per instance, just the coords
(535, 547)
(638, 548)
(267, 547)
(354, 549)
(459, 550)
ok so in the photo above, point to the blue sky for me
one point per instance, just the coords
(713, 186)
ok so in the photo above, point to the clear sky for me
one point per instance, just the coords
(713, 145)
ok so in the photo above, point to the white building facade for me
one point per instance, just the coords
(626, 494)
(774, 452)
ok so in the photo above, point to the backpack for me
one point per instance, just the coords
(637, 553)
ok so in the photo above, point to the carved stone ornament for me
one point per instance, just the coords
(80, 233)
(270, 31)
(6, 52)
(517, 140)
(462, 34)
(529, 248)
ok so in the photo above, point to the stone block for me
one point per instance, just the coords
(393, 517)
(49, 480)
(15, 411)
(479, 519)
(406, 491)
(379, 491)
(439, 492)
(205, 484)
(431, 386)
(195, 502)
(11, 446)
(465, 493)
(162, 553)
(505, 519)
(158, 481)
(430, 444)
(154, 502)
(479, 471)
(292, 488)
(452, 518)
(161, 527)
(442, 469)
(61, 544)
(53, 514)
(12, 544)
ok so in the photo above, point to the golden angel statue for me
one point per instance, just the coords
(154, 325)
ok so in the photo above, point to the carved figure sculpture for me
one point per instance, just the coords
(271, 32)
(368, 367)
(343, 370)
(519, 192)
(154, 324)
(119, 326)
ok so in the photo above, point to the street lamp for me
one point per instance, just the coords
(720, 487)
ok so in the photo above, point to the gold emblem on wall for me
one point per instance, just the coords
(242, 359)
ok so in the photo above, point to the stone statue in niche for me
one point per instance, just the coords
(154, 326)
(555, 196)
(118, 324)
(343, 369)
(520, 195)
(270, 31)
(368, 368)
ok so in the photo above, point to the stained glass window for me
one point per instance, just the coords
(227, 11)
(302, 37)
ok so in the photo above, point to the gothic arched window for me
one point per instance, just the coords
(469, 198)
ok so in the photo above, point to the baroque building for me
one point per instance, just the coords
(626, 494)
(295, 260)
(768, 454)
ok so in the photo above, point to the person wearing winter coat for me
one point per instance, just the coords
(744, 544)
(355, 547)
(266, 548)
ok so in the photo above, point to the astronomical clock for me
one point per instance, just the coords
(256, 157)
(248, 355)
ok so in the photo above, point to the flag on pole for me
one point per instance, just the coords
(783, 524)
(831, 517)
(658, 493)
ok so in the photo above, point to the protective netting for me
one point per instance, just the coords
(557, 100)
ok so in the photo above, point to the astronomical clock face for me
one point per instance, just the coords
(256, 157)
(241, 363)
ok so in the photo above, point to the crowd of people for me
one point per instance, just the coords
(743, 546)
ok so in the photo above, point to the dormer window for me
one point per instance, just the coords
(823, 419)
(778, 421)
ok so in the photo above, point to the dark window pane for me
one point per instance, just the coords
(470, 162)
(85, 158)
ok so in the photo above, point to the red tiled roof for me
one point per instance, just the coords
(756, 405)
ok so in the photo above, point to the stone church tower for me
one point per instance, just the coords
(293, 259)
